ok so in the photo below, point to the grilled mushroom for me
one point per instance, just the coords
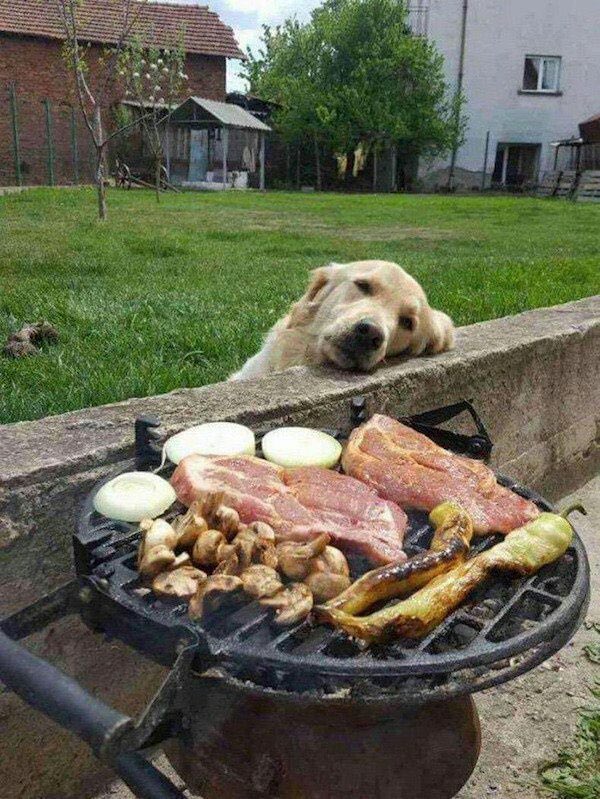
(326, 585)
(291, 605)
(181, 583)
(330, 575)
(157, 532)
(296, 560)
(207, 547)
(265, 553)
(229, 565)
(183, 559)
(190, 526)
(263, 531)
(209, 503)
(261, 581)
(156, 552)
(213, 593)
(245, 544)
(227, 520)
(225, 551)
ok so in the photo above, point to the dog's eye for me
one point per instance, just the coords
(364, 286)
(406, 322)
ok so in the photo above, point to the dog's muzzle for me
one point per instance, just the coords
(365, 338)
(360, 347)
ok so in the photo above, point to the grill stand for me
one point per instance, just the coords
(241, 744)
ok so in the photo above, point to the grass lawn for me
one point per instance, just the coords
(180, 294)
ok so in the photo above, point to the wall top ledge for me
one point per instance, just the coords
(93, 437)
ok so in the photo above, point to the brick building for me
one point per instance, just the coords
(36, 90)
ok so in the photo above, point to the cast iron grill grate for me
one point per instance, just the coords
(506, 627)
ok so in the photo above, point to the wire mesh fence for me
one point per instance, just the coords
(42, 142)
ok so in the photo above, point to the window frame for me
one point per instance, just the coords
(542, 59)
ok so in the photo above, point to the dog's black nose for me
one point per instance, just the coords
(367, 335)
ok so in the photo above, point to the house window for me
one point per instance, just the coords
(542, 73)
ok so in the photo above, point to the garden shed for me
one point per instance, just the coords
(214, 145)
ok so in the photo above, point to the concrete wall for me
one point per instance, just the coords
(499, 36)
(535, 378)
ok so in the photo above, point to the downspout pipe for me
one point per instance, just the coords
(459, 86)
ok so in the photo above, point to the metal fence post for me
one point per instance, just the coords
(74, 146)
(262, 160)
(50, 142)
(485, 162)
(15, 130)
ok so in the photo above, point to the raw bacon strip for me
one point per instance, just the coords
(407, 468)
(299, 504)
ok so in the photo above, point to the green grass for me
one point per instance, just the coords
(181, 294)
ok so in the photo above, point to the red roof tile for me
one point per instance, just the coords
(101, 21)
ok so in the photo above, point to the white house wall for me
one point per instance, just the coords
(500, 33)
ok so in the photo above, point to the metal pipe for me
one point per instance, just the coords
(15, 128)
(225, 135)
(74, 146)
(505, 155)
(58, 696)
(168, 149)
(459, 87)
(262, 160)
(50, 141)
(144, 779)
(485, 161)
(63, 700)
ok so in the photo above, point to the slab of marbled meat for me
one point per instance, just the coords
(406, 467)
(299, 504)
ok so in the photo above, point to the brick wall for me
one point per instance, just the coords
(37, 69)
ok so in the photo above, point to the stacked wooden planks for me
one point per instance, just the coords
(589, 187)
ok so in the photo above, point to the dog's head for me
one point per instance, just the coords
(360, 313)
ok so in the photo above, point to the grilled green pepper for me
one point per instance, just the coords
(450, 545)
(525, 551)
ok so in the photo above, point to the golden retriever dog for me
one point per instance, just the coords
(354, 316)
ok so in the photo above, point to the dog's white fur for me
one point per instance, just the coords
(338, 297)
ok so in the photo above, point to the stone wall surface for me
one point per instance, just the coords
(534, 378)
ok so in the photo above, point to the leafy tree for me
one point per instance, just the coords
(287, 71)
(355, 73)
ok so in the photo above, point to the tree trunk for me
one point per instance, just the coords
(157, 176)
(100, 165)
(100, 186)
(318, 165)
(298, 169)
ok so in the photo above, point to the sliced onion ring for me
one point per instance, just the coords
(213, 438)
(134, 496)
(301, 446)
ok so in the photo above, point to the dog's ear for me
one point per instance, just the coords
(303, 310)
(434, 333)
(319, 279)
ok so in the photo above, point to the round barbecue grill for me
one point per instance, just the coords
(252, 710)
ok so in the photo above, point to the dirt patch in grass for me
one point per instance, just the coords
(264, 221)
(402, 234)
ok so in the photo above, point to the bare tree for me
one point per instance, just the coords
(97, 92)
